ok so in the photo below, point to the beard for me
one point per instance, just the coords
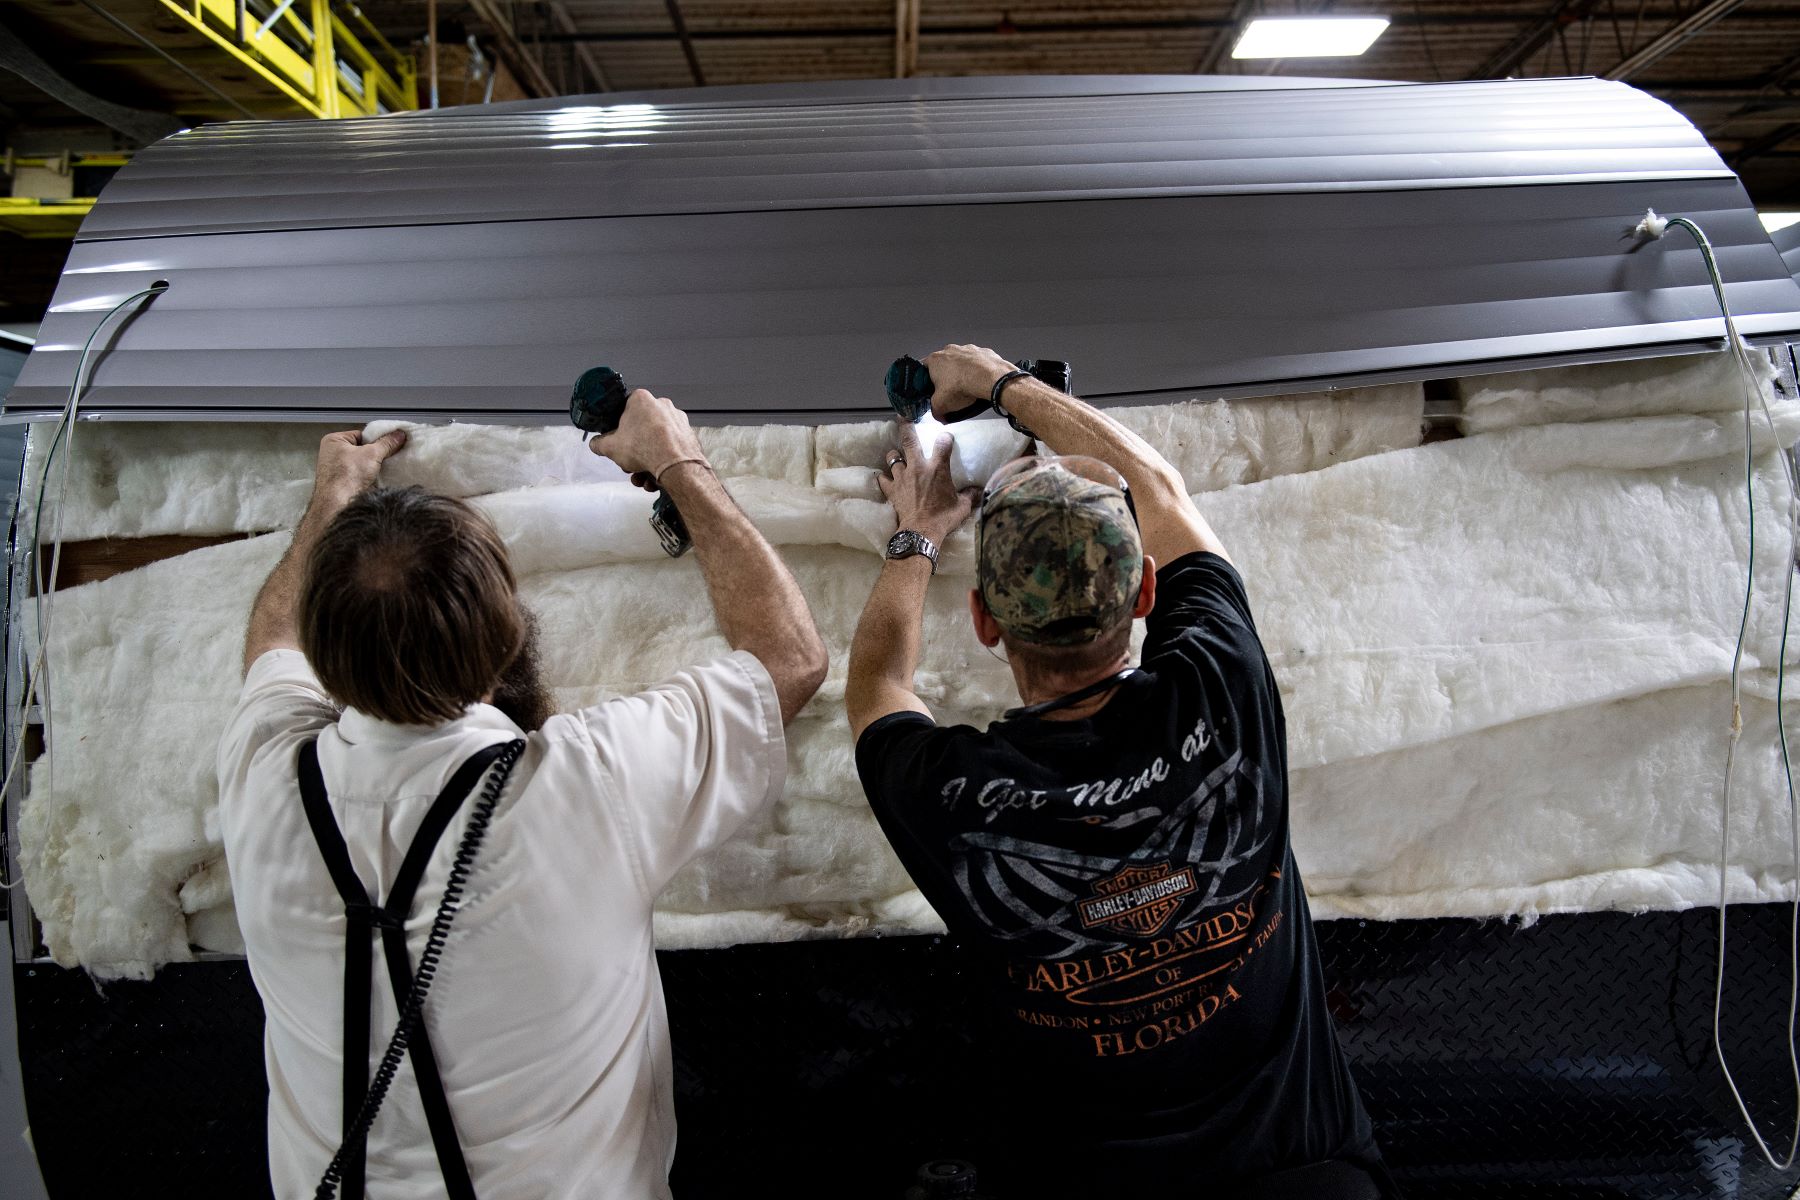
(521, 693)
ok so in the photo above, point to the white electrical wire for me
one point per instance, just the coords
(1653, 226)
(37, 685)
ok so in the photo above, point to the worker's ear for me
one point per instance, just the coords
(1146, 597)
(986, 628)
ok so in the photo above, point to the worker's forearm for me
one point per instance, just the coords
(1170, 523)
(758, 605)
(886, 645)
(1067, 425)
(884, 654)
(272, 621)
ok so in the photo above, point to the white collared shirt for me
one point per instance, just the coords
(547, 1013)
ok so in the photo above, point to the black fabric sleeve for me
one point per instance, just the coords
(1199, 593)
(895, 759)
(890, 756)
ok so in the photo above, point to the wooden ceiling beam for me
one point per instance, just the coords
(906, 38)
(1025, 26)
(811, 33)
(1215, 52)
(559, 16)
(530, 72)
(687, 43)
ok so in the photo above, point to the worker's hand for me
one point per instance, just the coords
(653, 435)
(348, 467)
(917, 483)
(961, 376)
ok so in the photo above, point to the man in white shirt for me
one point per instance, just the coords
(373, 650)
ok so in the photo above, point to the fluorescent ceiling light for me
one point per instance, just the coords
(1779, 220)
(1308, 37)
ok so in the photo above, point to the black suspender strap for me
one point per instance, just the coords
(357, 983)
(362, 918)
(400, 973)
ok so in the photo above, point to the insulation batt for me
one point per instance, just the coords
(1503, 658)
(1641, 388)
(139, 480)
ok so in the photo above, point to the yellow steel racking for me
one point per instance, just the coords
(32, 217)
(309, 51)
(325, 56)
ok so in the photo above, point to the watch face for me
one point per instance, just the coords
(909, 542)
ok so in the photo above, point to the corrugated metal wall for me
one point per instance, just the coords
(627, 159)
(763, 260)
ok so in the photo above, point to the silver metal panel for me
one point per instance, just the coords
(639, 159)
(793, 315)
(762, 256)
(1788, 242)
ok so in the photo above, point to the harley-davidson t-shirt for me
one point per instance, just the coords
(1141, 932)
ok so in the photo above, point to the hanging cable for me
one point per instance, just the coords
(37, 682)
(1653, 226)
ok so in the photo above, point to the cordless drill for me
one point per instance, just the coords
(597, 406)
(909, 387)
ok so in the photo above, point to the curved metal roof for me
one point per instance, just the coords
(763, 256)
(1788, 242)
(644, 159)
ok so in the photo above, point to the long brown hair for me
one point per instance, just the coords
(409, 612)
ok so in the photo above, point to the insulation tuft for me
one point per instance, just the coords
(1503, 658)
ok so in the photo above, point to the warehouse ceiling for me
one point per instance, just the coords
(1732, 67)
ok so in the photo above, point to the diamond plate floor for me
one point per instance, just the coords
(1567, 1061)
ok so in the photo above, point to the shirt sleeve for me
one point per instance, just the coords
(896, 756)
(1200, 598)
(692, 758)
(281, 703)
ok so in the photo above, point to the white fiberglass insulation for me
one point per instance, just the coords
(1504, 658)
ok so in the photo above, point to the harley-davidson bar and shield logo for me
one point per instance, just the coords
(1139, 899)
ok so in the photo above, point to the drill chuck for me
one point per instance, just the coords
(909, 386)
(596, 407)
(598, 403)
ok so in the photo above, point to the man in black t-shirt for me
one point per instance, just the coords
(1114, 852)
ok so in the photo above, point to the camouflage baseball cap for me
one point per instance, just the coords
(1058, 557)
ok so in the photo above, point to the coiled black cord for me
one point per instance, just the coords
(414, 1006)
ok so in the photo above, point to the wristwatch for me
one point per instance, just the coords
(909, 542)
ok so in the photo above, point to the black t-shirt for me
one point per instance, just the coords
(1140, 929)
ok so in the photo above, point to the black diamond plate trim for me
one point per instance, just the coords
(1567, 1061)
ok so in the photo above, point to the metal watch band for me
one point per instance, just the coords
(909, 542)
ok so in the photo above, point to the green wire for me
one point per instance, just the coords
(1736, 345)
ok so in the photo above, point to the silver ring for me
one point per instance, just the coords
(896, 460)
